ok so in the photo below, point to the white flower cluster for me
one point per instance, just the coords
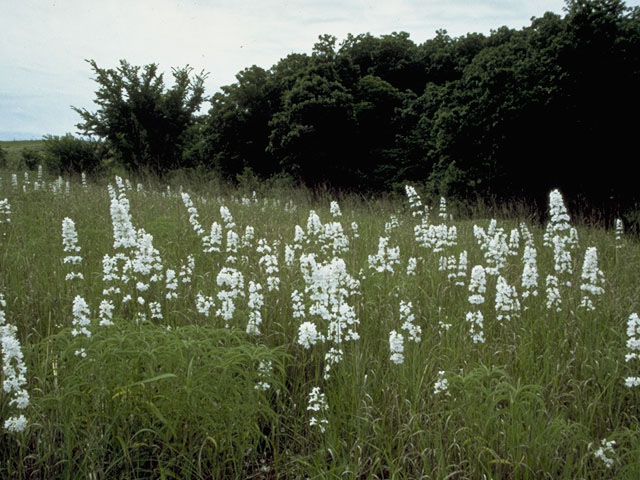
(319, 406)
(442, 211)
(441, 385)
(327, 288)
(81, 316)
(335, 209)
(13, 370)
(633, 344)
(333, 241)
(70, 247)
(391, 225)
(554, 300)
(606, 453)
(507, 303)
(529, 273)
(396, 347)
(269, 261)
(560, 236)
(186, 269)
(407, 317)
(5, 211)
(194, 218)
(477, 289)
(124, 235)
(265, 368)
(386, 258)
(619, 232)
(255, 303)
(559, 218)
(308, 335)
(592, 279)
(477, 285)
(105, 313)
(415, 203)
(231, 282)
(412, 264)
(204, 304)
(436, 237)
(493, 243)
(456, 268)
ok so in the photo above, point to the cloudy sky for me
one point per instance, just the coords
(44, 43)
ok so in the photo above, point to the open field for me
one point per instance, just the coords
(233, 334)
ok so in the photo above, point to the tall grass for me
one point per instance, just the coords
(176, 397)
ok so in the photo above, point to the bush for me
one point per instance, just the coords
(69, 154)
(3, 157)
(31, 158)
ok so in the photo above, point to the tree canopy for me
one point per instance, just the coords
(509, 115)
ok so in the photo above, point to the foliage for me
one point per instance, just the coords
(177, 396)
(3, 157)
(68, 154)
(145, 124)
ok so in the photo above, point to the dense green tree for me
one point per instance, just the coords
(145, 124)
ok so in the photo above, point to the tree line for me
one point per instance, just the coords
(507, 115)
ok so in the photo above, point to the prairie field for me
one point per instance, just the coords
(186, 329)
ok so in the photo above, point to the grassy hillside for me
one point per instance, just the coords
(232, 334)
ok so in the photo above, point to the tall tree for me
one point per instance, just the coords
(145, 124)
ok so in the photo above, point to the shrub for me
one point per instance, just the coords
(68, 154)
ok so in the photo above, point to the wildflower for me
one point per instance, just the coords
(414, 331)
(255, 303)
(529, 273)
(171, 284)
(392, 224)
(462, 269)
(411, 266)
(335, 210)
(633, 344)
(386, 257)
(194, 218)
(606, 453)
(5, 211)
(507, 304)
(441, 385)
(476, 321)
(415, 204)
(105, 313)
(554, 300)
(80, 317)
(297, 304)
(227, 218)
(265, 367)
(354, 229)
(156, 310)
(204, 304)
(619, 232)
(477, 285)
(592, 279)
(318, 404)
(14, 371)
(15, 424)
(308, 335)
(559, 218)
(396, 347)
(70, 247)
(442, 213)
(314, 225)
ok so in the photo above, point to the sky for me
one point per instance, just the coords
(44, 43)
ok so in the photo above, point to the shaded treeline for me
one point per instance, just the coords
(508, 115)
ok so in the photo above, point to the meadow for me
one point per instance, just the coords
(185, 329)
